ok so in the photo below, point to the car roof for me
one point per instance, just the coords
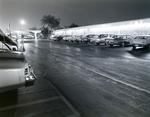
(123, 34)
(144, 35)
(107, 34)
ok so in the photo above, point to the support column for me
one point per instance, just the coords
(35, 35)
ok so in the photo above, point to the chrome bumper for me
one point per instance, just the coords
(31, 78)
(139, 45)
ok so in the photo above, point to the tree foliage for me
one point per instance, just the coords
(72, 25)
(49, 23)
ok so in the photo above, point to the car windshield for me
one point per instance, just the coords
(104, 35)
(142, 37)
(89, 35)
(4, 46)
(117, 36)
(111, 35)
(7, 43)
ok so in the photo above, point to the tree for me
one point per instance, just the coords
(51, 23)
(73, 25)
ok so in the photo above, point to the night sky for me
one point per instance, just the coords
(81, 12)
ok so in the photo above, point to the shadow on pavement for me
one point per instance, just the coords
(8, 99)
(139, 52)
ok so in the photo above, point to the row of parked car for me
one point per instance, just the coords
(107, 39)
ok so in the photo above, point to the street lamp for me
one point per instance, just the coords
(22, 23)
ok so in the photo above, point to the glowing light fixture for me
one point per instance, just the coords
(22, 23)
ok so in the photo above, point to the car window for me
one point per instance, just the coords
(103, 35)
(95, 36)
(111, 35)
(141, 37)
(123, 37)
(115, 36)
(129, 36)
(91, 35)
(3, 46)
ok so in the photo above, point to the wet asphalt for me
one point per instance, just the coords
(98, 81)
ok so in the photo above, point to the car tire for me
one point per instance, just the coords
(133, 47)
(97, 43)
(111, 45)
(123, 44)
(146, 47)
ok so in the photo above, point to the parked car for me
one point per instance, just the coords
(56, 38)
(141, 41)
(15, 71)
(53, 37)
(78, 38)
(94, 38)
(102, 38)
(121, 40)
(87, 38)
(28, 36)
(72, 38)
(67, 38)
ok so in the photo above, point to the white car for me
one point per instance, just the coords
(15, 71)
(141, 41)
(102, 38)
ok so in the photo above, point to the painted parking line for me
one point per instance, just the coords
(30, 103)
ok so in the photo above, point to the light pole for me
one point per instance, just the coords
(22, 23)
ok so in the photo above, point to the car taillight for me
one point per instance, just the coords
(26, 71)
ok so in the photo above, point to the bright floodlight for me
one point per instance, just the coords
(22, 23)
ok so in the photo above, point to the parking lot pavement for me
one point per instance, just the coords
(100, 81)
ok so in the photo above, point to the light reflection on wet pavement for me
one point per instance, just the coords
(100, 81)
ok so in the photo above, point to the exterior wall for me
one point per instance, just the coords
(18, 33)
(132, 27)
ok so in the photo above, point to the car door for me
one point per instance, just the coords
(129, 39)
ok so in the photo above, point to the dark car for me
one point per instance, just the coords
(121, 40)
(57, 38)
(87, 38)
(78, 38)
